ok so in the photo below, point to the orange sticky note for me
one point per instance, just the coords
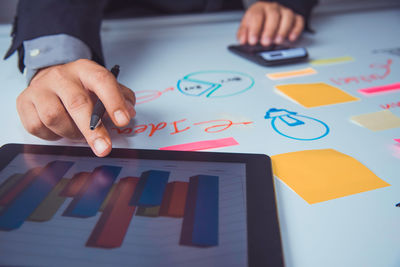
(291, 74)
(324, 174)
(312, 95)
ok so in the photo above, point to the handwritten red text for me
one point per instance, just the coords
(383, 68)
(391, 105)
(179, 126)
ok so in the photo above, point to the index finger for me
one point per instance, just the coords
(297, 28)
(286, 24)
(78, 104)
(273, 18)
(102, 82)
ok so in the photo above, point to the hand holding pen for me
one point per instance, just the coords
(57, 103)
(121, 117)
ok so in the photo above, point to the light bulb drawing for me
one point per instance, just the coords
(295, 126)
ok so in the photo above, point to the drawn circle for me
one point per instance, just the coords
(302, 139)
(215, 83)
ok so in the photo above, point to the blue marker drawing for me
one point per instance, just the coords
(213, 84)
(299, 127)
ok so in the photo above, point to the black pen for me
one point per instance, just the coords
(98, 110)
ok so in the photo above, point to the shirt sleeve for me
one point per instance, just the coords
(52, 50)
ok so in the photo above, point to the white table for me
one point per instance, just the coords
(358, 230)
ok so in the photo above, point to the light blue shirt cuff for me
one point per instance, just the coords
(52, 50)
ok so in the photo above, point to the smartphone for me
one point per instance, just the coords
(270, 55)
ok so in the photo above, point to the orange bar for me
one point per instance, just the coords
(148, 211)
(75, 184)
(110, 193)
(50, 205)
(291, 74)
(111, 228)
(13, 192)
(174, 201)
(10, 182)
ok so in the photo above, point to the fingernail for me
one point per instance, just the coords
(278, 40)
(100, 145)
(121, 117)
(266, 41)
(131, 109)
(253, 40)
(293, 37)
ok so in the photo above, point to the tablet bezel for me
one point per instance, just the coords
(264, 247)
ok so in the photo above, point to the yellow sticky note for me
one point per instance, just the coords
(324, 174)
(377, 121)
(312, 95)
(328, 61)
(291, 74)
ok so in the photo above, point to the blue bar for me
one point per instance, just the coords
(14, 215)
(188, 216)
(200, 222)
(93, 192)
(205, 229)
(150, 189)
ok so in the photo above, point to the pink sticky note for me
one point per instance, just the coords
(202, 145)
(397, 140)
(380, 89)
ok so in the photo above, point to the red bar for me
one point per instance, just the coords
(397, 140)
(380, 89)
(111, 228)
(203, 145)
(28, 178)
(174, 201)
(75, 184)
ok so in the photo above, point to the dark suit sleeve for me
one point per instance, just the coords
(301, 7)
(78, 18)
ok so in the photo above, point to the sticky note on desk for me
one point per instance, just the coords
(328, 61)
(324, 174)
(291, 74)
(312, 95)
(377, 121)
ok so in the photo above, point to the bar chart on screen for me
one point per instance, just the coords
(157, 208)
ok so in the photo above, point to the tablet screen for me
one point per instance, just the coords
(61, 210)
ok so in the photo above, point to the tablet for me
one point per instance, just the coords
(62, 206)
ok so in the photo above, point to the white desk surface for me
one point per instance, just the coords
(358, 230)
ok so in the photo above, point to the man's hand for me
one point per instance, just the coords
(59, 102)
(269, 23)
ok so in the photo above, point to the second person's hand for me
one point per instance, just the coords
(269, 23)
(59, 101)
